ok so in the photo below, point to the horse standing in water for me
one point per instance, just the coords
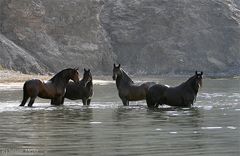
(53, 89)
(181, 96)
(127, 89)
(81, 90)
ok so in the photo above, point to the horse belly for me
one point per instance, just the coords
(173, 98)
(137, 94)
(46, 95)
(74, 93)
(47, 92)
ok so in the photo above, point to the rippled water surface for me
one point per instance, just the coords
(105, 128)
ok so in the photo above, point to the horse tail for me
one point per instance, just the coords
(25, 90)
(25, 95)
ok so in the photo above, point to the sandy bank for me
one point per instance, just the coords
(13, 79)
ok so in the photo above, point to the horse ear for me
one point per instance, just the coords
(195, 72)
(201, 72)
(76, 68)
(88, 70)
(119, 65)
(85, 70)
(114, 65)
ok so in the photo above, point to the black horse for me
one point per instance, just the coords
(53, 89)
(81, 90)
(181, 96)
(127, 89)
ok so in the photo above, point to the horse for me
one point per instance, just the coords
(81, 90)
(127, 89)
(183, 95)
(53, 89)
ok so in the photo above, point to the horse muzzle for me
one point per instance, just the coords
(76, 80)
(200, 84)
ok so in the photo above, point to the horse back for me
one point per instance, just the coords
(34, 87)
(138, 92)
(147, 85)
(158, 89)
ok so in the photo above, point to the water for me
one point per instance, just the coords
(107, 128)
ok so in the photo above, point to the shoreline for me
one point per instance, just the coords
(15, 78)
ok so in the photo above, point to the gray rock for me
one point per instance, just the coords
(58, 33)
(145, 36)
(163, 36)
(16, 58)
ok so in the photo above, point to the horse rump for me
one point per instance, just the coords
(155, 96)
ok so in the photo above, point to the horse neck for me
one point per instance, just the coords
(123, 79)
(89, 84)
(189, 84)
(60, 78)
(81, 82)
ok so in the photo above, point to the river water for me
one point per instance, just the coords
(107, 128)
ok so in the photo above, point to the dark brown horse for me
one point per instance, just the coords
(127, 89)
(81, 90)
(181, 96)
(53, 89)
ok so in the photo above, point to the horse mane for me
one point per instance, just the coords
(190, 82)
(58, 75)
(126, 77)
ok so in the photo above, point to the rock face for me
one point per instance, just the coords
(173, 36)
(145, 36)
(58, 33)
(14, 57)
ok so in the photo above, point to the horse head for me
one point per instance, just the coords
(198, 79)
(116, 71)
(74, 75)
(87, 77)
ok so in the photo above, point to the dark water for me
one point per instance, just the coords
(105, 128)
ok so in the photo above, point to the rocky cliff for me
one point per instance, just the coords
(145, 36)
(56, 33)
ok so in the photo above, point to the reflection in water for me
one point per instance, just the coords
(211, 127)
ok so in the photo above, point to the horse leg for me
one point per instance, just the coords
(25, 98)
(62, 101)
(57, 101)
(88, 102)
(150, 102)
(156, 105)
(54, 102)
(125, 102)
(31, 101)
(84, 101)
